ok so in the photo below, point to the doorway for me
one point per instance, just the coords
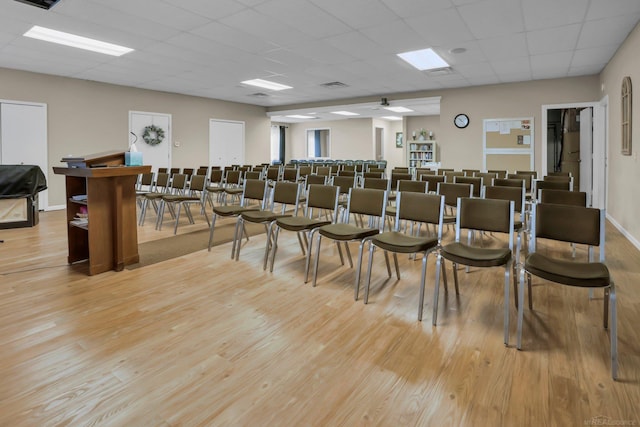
(226, 143)
(379, 141)
(576, 139)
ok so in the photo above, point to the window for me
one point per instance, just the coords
(626, 116)
(318, 143)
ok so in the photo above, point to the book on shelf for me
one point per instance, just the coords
(79, 198)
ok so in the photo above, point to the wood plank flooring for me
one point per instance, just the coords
(203, 340)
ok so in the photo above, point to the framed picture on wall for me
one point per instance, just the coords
(399, 139)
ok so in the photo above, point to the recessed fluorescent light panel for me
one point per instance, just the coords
(425, 59)
(392, 118)
(266, 84)
(345, 113)
(72, 40)
(399, 109)
(300, 116)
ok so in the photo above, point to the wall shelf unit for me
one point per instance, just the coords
(421, 153)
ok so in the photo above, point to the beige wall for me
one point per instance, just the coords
(88, 117)
(623, 191)
(351, 139)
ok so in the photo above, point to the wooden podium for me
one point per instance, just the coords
(103, 188)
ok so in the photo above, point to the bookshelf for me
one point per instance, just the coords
(421, 153)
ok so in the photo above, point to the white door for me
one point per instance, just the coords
(158, 156)
(226, 143)
(586, 151)
(23, 139)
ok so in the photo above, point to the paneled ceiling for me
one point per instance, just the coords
(207, 47)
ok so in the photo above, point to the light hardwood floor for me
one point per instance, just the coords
(202, 340)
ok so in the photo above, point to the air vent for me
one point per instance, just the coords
(259, 95)
(440, 71)
(42, 4)
(334, 85)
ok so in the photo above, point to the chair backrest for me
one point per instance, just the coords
(375, 170)
(499, 173)
(432, 181)
(344, 182)
(178, 183)
(441, 171)
(323, 197)
(421, 207)
(558, 174)
(476, 181)
(202, 170)
(215, 177)
(316, 179)
(516, 194)
(188, 171)
(470, 172)
(549, 185)
(567, 223)
(273, 173)
(286, 194)
(533, 174)
(323, 170)
(449, 176)
(372, 175)
(163, 170)
(509, 182)
(254, 190)
(147, 179)
(412, 186)
(424, 171)
(370, 202)
(527, 177)
(557, 178)
(487, 177)
(304, 170)
(233, 177)
(173, 171)
(397, 176)
(452, 192)
(253, 175)
(399, 170)
(563, 197)
(377, 183)
(485, 215)
(162, 181)
(291, 174)
(197, 183)
(346, 173)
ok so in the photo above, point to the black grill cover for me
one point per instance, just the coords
(21, 181)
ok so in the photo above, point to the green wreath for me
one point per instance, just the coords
(153, 135)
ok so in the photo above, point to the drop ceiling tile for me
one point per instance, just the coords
(472, 54)
(358, 14)
(322, 52)
(592, 56)
(493, 18)
(605, 32)
(394, 37)
(505, 47)
(441, 27)
(210, 9)
(304, 16)
(541, 14)
(553, 39)
(547, 65)
(414, 8)
(512, 66)
(481, 69)
(355, 44)
(483, 80)
(266, 28)
(233, 37)
(587, 70)
(609, 9)
(515, 77)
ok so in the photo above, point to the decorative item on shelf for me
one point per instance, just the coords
(423, 134)
(153, 135)
(414, 135)
(431, 135)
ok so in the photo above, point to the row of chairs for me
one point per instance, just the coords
(478, 214)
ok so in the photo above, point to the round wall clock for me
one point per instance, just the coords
(461, 121)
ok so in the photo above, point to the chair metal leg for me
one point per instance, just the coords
(237, 240)
(423, 280)
(211, 228)
(300, 242)
(507, 286)
(455, 277)
(386, 259)
(268, 245)
(359, 268)
(274, 247)
(605, 317)
(436, 289)
(395, 261)
(372, 248)
(175, 227)
(346, 245)
(315, 268)
(308, 257)
(339, 252)
(520, 309)
(614, 332)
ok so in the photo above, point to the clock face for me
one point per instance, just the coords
(461, 121)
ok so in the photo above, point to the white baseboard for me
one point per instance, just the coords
(55, 208)
(624, 232)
